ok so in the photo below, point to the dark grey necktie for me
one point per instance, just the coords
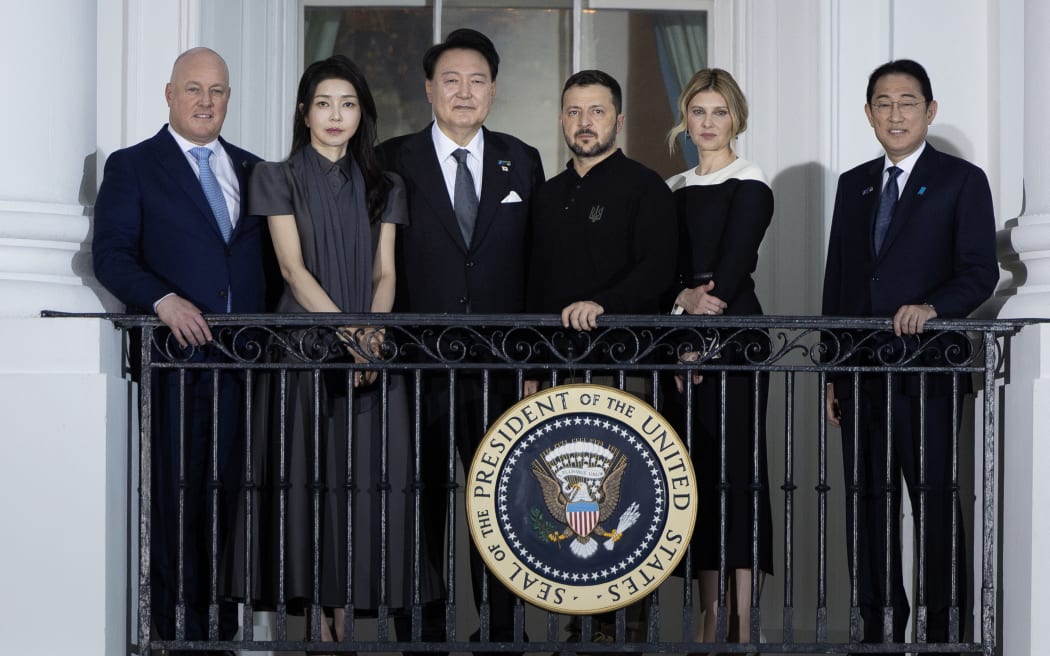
(887, 204)
(466, 200)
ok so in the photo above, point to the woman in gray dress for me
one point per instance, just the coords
(332, 214)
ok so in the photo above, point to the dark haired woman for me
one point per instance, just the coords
(332, 213)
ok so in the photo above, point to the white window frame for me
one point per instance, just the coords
(578, 7)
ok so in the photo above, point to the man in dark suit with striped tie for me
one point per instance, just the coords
(170, 238)
(913, 238)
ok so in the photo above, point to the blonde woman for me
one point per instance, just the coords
(724, 207)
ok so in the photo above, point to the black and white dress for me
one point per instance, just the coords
(722, 219)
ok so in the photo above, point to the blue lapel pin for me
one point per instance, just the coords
(922, 190)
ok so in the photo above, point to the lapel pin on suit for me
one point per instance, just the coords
(504, 165)
(867, 191)
(922, 190)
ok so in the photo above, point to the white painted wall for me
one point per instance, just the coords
(1026, 574)
(63, 487)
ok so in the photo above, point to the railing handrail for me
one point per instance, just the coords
(828, 346)
(998, 326)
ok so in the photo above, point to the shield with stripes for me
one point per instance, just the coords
(582, 516)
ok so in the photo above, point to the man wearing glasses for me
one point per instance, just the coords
(912, 238)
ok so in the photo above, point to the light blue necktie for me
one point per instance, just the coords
(887, 204)
(213, 192)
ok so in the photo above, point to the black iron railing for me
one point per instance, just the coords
(797, 357)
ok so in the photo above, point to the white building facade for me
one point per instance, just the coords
(86, 77)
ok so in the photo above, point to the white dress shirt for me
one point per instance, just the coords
(444, 147)
(905, 165)
(221, 166)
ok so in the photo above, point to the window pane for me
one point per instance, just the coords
(388, 45)
(651, 54)
(535, 50)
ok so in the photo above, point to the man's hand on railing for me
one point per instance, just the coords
(911, 319)
(185, 320)
(582, 315)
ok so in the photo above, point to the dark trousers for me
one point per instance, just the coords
(457, 416)
(882, 457)
(190, 430)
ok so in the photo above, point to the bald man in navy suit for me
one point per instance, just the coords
(161, 247)
(913, 238)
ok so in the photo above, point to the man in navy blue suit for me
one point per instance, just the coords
(913, 238)
(171, 238)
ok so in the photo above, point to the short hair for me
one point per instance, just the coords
(462, 39)
(711, 79)
(901, 67)
(591, 77)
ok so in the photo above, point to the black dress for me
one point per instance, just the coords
(722, 218)
(337, 243)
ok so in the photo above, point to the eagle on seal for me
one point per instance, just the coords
(581, 506)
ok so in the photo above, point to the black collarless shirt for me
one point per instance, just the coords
(610, 237)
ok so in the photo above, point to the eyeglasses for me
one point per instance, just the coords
(905, 107)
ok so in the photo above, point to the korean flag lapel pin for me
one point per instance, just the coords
(504, 165)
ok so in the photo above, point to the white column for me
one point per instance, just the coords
(63, 481)
(1026, 530)
(1026, 574)
(63, 404)
(1029, 236)
(63, 487)
(1026, 487)
(47, 177)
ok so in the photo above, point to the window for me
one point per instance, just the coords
(650, 47)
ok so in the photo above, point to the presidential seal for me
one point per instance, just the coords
(581, 499)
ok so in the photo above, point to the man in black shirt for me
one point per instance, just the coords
(604, 232)
(604, 239)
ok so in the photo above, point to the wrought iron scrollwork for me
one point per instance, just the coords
(374, 341)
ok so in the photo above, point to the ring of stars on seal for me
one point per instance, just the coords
(581, 499)
(537, 562)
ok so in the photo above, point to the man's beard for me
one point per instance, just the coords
(597, 148)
